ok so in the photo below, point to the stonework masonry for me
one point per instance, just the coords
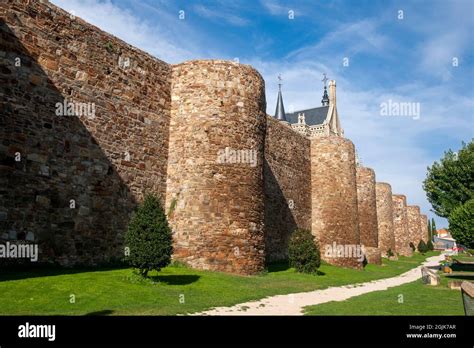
(334, 217)
(71, 182)
(217, 111)
(414, 224)
(383, 192)
(287, 176)
(90, 124)
(424, 228)
(400, 226)
(367, 210)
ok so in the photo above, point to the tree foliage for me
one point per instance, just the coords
(149, 237)
(461, 224)
(450, 182)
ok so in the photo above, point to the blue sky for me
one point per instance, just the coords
(404, 60)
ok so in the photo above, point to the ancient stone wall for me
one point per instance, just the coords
(70, 178)
(367, 208)
(89, 124)
(414, 224)
(334, 216)
(424, 228)
(215, 191)
(287, 175)
(383, 193)
(400, 225)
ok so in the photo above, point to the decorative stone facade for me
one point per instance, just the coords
(367, 210)
(334, 217)
(400, 225)
(383, 193)
(414, 224)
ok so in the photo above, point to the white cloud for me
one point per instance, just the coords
(348, 39)
(156, 39)
(274, 7)
(220, 15)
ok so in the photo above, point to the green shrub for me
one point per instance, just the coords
(149, 237)
(390, 253)
(430, 245)
(422, 247)
(303, 252)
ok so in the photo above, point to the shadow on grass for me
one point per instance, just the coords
(282, 266)
(18, 274)
(99, 313)
(279, 266)
(175, 279)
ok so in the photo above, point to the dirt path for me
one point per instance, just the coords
(292, 304)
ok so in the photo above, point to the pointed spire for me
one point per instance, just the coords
(325, 100)
(280, 109)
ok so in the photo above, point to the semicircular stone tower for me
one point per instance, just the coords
(214, 196)
(424, 228)
(414, 224)
(383, 193)
(400, 225)
(366, 203)
(334, 216)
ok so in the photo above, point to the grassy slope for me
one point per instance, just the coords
(418, 299)
(119, 291)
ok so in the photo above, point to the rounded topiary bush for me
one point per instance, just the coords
(148, 238)
(422, 247)
(303, 253)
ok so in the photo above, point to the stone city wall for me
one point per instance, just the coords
(383, 192)
(287, 176)
(83, 133)
(334, 218)
(367, 208)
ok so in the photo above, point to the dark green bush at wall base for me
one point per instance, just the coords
(430, 245)
(422, 247)
(149, 237)
(303, 253)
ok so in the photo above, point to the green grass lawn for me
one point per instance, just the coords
(120, 292)
(418, 299)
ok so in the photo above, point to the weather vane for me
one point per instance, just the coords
(279, 81)
(324, 79)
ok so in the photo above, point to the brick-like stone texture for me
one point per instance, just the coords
(383, 193)
(400, 225)
(70, 183)
(215, 205)
(334, 196)
(367, 207)
(414, 224)
(287, 175)
(424, 228)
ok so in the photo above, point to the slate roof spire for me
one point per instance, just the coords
(325, 100)
(280, 109)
